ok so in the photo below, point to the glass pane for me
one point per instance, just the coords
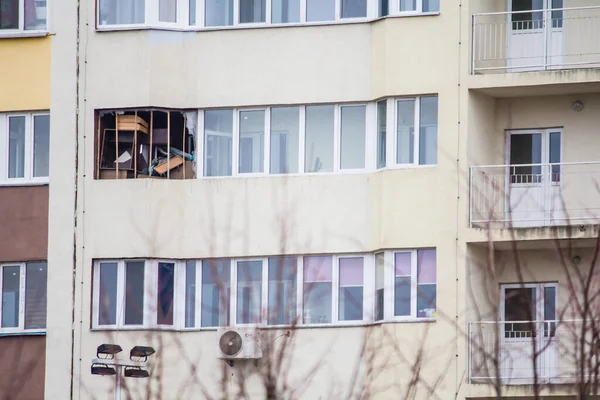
(431, 5)
(353, 137)
(549, 311)
(219, 12)
(9, 14)
(526, 149)
(216, 285)
(319, 139)
(121, 12)
(354, 8)
(402, 296)
(190, 294)
(282, 290)
(381, 133)
(167, 10)
(527, 20)
(317, 289)
(108, 294)
(35, 295)
(284, 11)
(284, 139)
(405, 135)
(252, 11)
(557, 16)
(320, 10)
(428, 131)
(384, 8)
(519, 305)
(249, 292)
(134, 293)
(252, 141)
(16, 147)
(351, 289)
(426, 301)
(426, 266)
(408, 5)
(402, 264)
(11, 278)
(379, 286)
(192, 16)
(165, 290)
(555, 155)
(218, 133)
(35, 14)
(41, 145)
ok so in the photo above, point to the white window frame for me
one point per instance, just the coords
(151, 8)
(22, 297)
(389, 286)
(21, 31)
(369, 147)
(392, 142)
(151, 282)
(28, 178)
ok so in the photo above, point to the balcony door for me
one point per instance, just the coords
(528, 327)
(533, 193)
(535, 35)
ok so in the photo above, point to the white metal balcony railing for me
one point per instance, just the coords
(535, 195)
(536, 40)
(506, 351)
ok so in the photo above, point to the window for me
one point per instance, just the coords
(419, 6)
(24, 142)
(19, 15)
(381, 134)
(416, 131)
(272, 291)
(268, 140)
(200, 14)
(23, 291)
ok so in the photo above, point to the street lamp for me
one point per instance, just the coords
(106, 364)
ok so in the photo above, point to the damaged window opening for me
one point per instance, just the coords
(146, 143)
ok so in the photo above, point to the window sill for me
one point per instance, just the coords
(23, 34)
(349, 324)
(24, 183)
(23, 333)
(350, 21)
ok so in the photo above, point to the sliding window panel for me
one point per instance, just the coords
(252, 141)
(379, 286)
(354, 8)
(16, 147)
(35, 14)
(381, 133)
(353, 133)
(320, 10)
(428, 130)
(402, 284)
(319, 139)
(282, 290)
(218, 145)
(190, 294)
(218, 13)
(11, 284)
(252, 11)
(165, 293)
(41, 145)
(216, 292)
(285, 11)
(36, 275)
(285, 139)
(433, 6)
(408, 5)
(134, 292)
(249, 292)
(107, 296)
(167, 11)
(121, 12)
(351, 290)
(405, 131)
(317, 290)
(426, 283)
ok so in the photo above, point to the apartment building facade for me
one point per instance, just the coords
(24, 178)
(375, 185)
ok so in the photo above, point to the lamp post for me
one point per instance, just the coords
(106, 364)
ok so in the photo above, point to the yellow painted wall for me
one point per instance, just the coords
(25, 74)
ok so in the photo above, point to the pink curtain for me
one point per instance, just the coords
(402, 264)
(317, 269)
(30, 14)
(351, 271)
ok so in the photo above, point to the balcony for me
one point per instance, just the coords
(536, 40)
(535, 195)
(506, 351)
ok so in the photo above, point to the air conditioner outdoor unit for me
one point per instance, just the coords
(238, 343)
